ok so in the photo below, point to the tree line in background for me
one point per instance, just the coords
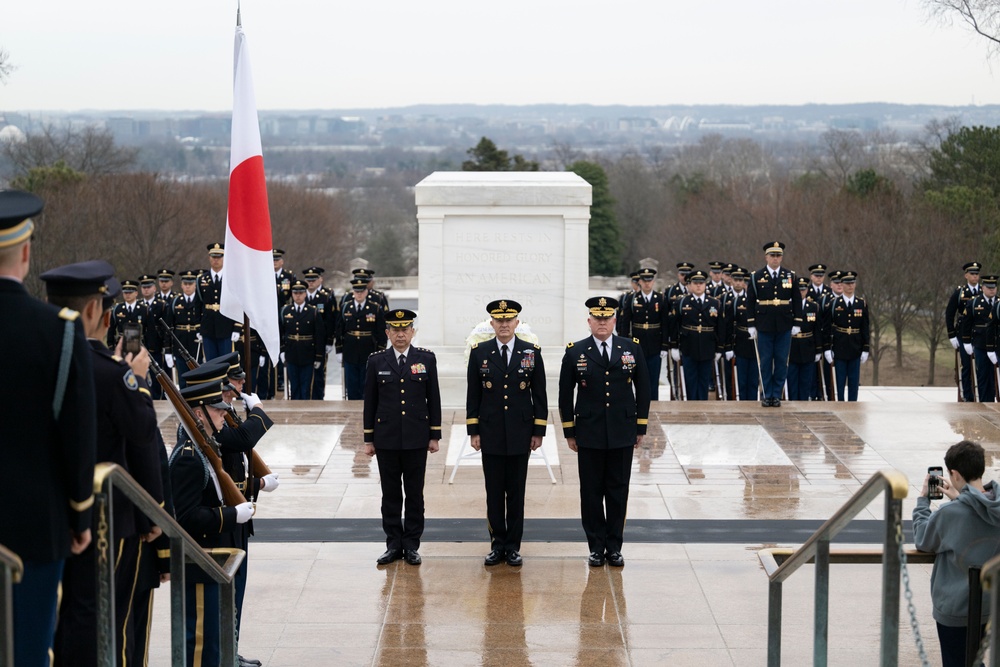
(905, 215)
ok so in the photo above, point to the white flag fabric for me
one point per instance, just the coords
(249, 286)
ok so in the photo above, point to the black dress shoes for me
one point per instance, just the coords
(596, 559)
(412, 557)
(389, 556)
(514, 559)
(775, 402)
(494, 557)
(615, 559)
(766, 402)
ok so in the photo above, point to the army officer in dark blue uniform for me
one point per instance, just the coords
(607, 420)
(505, 415)
(360, 332)
(807, 347)
(697, 336)
(303, 342)
(402, 422)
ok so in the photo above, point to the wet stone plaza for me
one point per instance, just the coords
(711, 484)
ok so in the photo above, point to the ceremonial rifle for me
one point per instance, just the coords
(231, 494)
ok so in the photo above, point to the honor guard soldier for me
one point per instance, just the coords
(283, 278)
(624, 302)
(361, 333)
(740, 347)
(960, 298)
(260, 367)
(604, 406)
(218, 332)
(326, 305)
(127, 435)
(373, 294)
(697, 336)
(848, 337)
(129, 311)
(646, 320)
(402, 423)
(679, 289)
(822, 295)
(716, 286)
(817, 288)
(202, 513)
(773, 298)
(165, 284)
(807, 347)
(978, 332)
(184, 316)
(303, 342)
(505, 414)
(48, 438)
(156, 308)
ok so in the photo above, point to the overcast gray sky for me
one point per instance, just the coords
(135, 54)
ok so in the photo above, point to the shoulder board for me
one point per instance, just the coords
(69, 314)
(635, 340)
(537, 346)
(569, 344)
(424, 349)
(117, 358)
(475, 345)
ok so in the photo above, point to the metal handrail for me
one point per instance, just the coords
(183, 548)
(817, 550)
(11, 570)
(990, 573)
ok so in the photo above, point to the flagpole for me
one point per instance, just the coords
(247, 366)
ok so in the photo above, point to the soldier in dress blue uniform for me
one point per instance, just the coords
(303, 342)
(218, 332)
(283, 278)
(821, 293)
(202, 513)
(697, 336)
(326, 305)
(679, 289)
(375, 295)
(127, 435)
(505, 415)
(715, 286)
(402, 423)
(152, 338)
(604, 406)
(739, 345)
(807, 347)
(625, 302)
(184, 316)
(774, 300)
(848, 337)
(165, 284)
(130, 311)
(978, 333)
(645, 319)
(47, 450)
(960, 297)
(361, 333)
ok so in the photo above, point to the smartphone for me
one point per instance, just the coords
(934, 490)
(132, 338)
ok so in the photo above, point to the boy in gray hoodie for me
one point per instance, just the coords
(963, 533)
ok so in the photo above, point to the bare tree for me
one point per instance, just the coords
(91, 151)
(6, 66)
(983, 16)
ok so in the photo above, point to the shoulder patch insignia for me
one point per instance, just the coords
(69, 314)
(130, 381)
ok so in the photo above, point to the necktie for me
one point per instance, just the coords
(503, 354)
(217, 280)
(189, 299)
(402, 361)
(604, 353)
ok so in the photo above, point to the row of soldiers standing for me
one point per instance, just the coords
(971, 319)
(707, 317)
(313, 323)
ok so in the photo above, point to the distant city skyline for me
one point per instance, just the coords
(311, 54)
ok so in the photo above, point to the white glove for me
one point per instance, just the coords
(235, 337)
(993, 357)
(263, 360)
(339, 357)
(730, 355)
(197, 338)
(269, 482)
(675, 354)
(818, 355)
(168, 359)
(282, 357)
(864, 357)
(829, 356)
(317, 364)
(796, 331)
(968, 348)
(664, 354)
(251, 401)
(329, 349)
(753, 333)
(954, 342)
(244, 511)
(718, 355)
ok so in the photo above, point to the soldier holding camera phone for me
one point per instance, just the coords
(963, 533)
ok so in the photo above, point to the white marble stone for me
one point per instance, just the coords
(291, 445)
(728, 445)
(471, 457)
(491, 235)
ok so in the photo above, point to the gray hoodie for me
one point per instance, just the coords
(963, 533)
